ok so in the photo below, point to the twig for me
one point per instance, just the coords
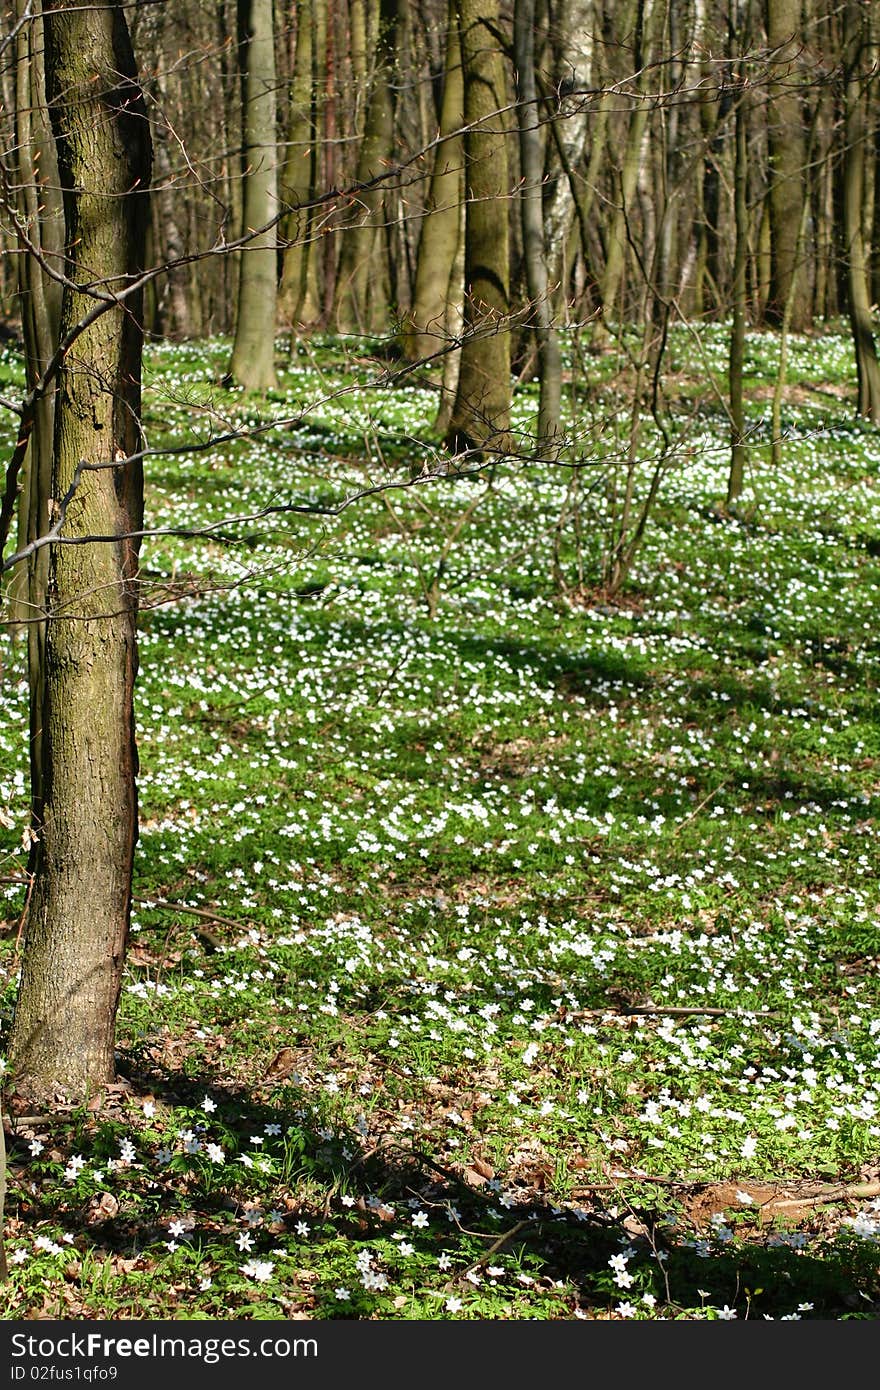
(858, 1191)
(207, 913)
(487, 1254)
(697, 809)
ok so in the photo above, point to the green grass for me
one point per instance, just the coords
(383, 1067)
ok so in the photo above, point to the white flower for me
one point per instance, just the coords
(176, 1228)
(626, 1310)
(342, 1294)
(420, 1219)
(862, 1225)
(244, 1241)
(453, 1305)
(215, 1153)
(209, 1105)
(748, 1147)
(36, 1147)
(726, 1314)
(149, 1109)
(444, 1261)
(302, 1228)
(261, 1270)
(745, 1199)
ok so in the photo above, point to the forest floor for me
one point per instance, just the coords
(502, 949)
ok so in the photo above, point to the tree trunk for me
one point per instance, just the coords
(531, 156)
(63, 1028)
(568, 194)
(481, 414)
(253, 351)
(40, 211)
(439, 240)
(738, 450)
(786, 140)
(355, 289)
(297, 185)
(857, 58)
(615, 262)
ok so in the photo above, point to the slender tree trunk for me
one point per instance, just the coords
(738, 450)
(453, 325)
(297, 184)
(63, 1028)
(355, 293)
(40, 210)
(439, 240)
(531, 156)
(786, 140)
(481, 414)
(857, 45)
(569, 194)
(253, 351)
(615, 261)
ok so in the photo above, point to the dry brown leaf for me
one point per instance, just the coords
(102, 1208)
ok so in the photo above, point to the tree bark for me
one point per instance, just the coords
(63, 1028)
(297, 184)
(615, 262)
(857, 43)
(787, 142)
(569, 194)
(40, 211)
(253, 351)
(438, 243)
(481, 413)
(738, 450)
(356, 292)
(531, 158)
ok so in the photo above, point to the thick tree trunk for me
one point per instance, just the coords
(857, 57)
(531, 158)
(787, 148)
(62, 1033)
(440, 229)
(253, 352)
(481, 414)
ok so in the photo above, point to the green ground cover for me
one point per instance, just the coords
(427, 817)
